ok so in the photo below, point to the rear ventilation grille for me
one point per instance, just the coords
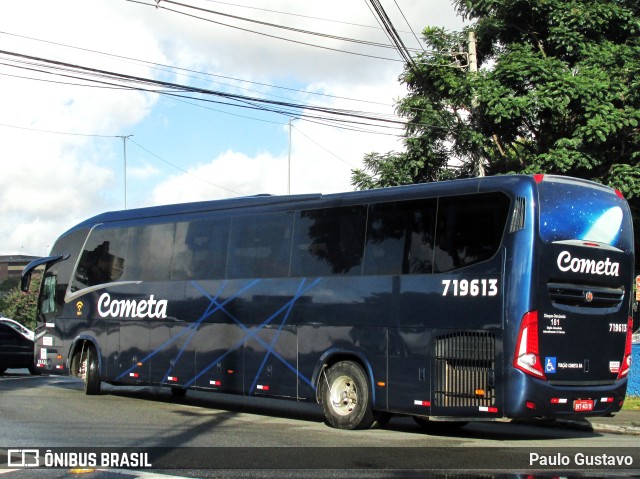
(577, 295)
(517, 220)
(465, 365)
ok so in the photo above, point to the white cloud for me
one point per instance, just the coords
(142, 172)
(240, 174)
(51, 181)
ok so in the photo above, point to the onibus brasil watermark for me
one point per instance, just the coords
(27, 458)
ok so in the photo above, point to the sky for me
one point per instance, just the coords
(73, 145)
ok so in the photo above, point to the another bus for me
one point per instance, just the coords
(452, 301)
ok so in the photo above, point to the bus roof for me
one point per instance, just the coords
(513, 183)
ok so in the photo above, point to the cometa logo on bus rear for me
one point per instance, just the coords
(589, 266)
(130, 308)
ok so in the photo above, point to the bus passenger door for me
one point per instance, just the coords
(49, 351)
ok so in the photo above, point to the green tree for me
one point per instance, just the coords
(8, 284)
(558, 91)
(20, 306)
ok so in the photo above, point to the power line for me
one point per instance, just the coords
(322, 147)
(59, 132)
(160, 6)
(103, 77)
(409, 25)
(173, 69)
(124, 138)
(392, 33)
(296, 15)
(183, 170)
(283, 27)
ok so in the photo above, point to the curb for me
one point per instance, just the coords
(611, 429)
(585, 425)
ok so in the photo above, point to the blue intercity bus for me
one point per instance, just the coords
(452, 301)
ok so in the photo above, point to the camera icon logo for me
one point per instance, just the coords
(23, 458)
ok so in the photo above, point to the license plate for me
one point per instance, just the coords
(583, 405)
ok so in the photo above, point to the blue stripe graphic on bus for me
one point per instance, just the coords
(193, 326)
(252, 333)
(194, 330)
(274, 341)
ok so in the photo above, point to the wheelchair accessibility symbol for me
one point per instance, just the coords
(550, 365)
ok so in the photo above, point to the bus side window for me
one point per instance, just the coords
(400, 237)
(329, 241)
(469, 229)
(103, 259)
(200, 250)
(154, 244)
(260, 246)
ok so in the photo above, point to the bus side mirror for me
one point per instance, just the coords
(25, 279)
(25, 282)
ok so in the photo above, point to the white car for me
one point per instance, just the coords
(27, 333)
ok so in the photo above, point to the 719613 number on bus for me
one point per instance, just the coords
(473, 287)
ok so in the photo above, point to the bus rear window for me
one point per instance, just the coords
(572, 210)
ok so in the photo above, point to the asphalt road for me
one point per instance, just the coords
(209, 435)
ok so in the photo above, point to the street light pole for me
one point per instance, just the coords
(124, 148)
(289, 162)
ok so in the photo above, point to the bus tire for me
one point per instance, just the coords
(346, 397)
(91, 372)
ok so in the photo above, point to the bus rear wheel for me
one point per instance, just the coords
(89, 372)
(346, 397)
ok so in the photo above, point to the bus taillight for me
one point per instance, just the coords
(626, 359)
(526, 357)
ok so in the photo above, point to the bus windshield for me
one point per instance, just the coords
(569, 211)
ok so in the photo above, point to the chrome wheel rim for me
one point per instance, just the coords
(344, 395)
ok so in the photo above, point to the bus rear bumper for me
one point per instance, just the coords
(536, 398)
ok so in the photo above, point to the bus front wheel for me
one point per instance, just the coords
(90, 372)
(345, 396)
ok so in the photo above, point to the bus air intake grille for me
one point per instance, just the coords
(584, 296)
(517, 218)
(465, 369)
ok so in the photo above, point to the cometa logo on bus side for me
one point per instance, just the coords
(589, 266)
(130, 308)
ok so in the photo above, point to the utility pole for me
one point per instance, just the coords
(473, 69)
(473, 58)
(124, 148)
